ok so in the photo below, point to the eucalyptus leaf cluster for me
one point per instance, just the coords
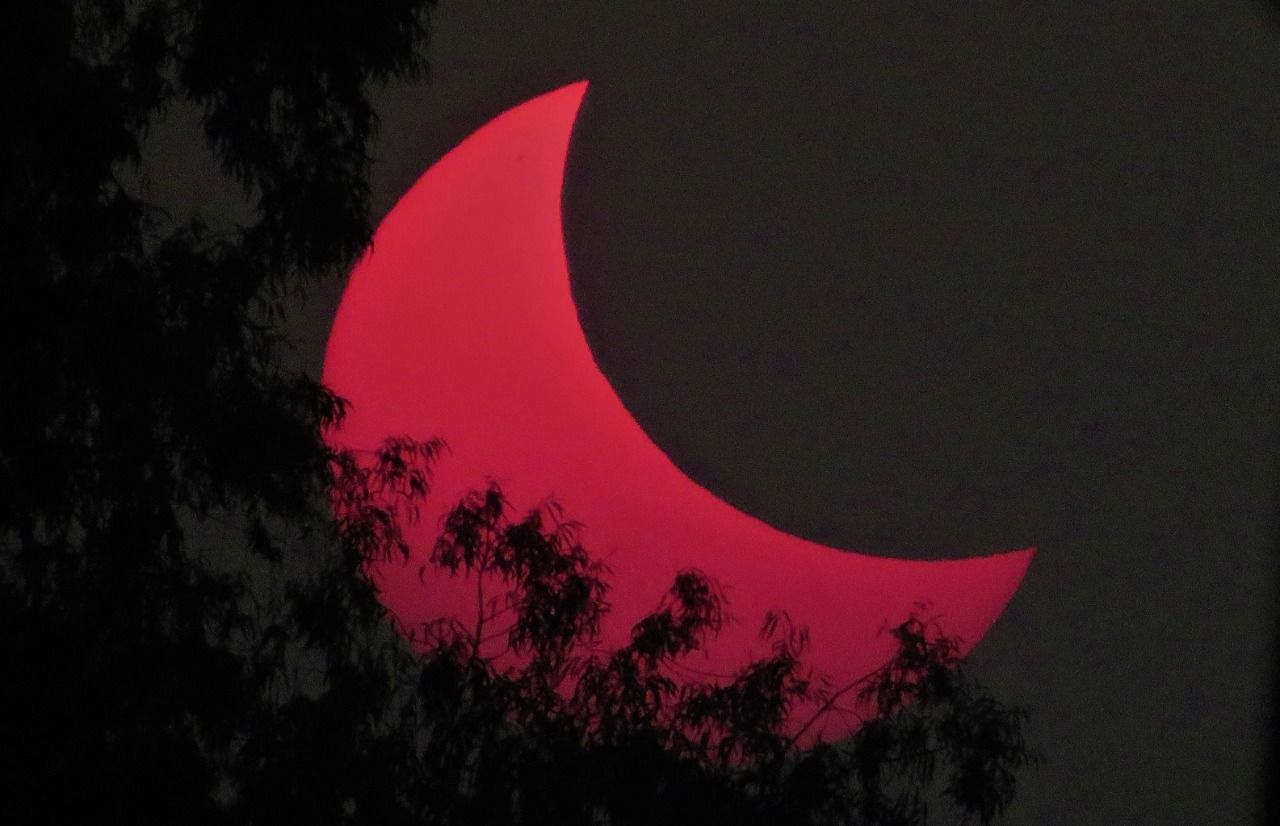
(533, 720)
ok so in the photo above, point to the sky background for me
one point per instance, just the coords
(930, 279)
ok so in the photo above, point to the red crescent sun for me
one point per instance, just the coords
(459, 323)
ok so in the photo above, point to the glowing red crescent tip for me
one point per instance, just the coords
(459, 323)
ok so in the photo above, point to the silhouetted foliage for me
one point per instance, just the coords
(626, 736)
(186, 628)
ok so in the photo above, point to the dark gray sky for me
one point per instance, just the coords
(939, 277)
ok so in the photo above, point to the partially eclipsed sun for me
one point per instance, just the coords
(459, 323)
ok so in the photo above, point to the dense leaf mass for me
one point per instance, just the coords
(187, 630)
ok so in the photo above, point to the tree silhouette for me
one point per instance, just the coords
(186, 628)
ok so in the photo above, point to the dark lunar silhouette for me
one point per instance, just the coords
(186, 631)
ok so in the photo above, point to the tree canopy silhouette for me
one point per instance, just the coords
(186, 628)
